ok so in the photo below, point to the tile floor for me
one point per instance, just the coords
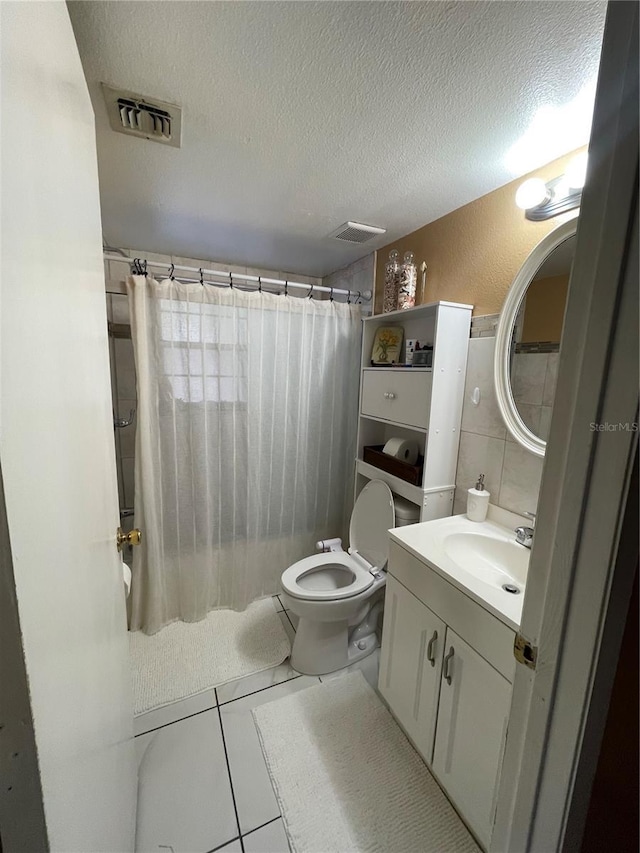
(203, 783)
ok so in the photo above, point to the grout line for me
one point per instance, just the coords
(222, 846)
(188, 717)
(226, 758)
(286, 613)
(262, 825)
(260, 690)
(218, 704)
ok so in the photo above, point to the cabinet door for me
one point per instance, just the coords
(411, 663)
(472, 725)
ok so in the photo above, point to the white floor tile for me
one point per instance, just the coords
(368, 666)
(255, 800)
(257, 681)
(184, 796)
(268, 839)
(291, 634)
(234, 847)
(176, 711)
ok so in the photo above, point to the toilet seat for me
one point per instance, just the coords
(326, 577)
(337, 574)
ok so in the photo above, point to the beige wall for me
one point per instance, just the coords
(544, 310)
(474, 252)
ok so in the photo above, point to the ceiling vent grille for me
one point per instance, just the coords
(355, 232)
(143, 117)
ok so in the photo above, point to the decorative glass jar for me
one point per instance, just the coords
(408, 280)
(391, 282)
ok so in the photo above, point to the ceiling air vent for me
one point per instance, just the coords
(355, 232)
(147, 118)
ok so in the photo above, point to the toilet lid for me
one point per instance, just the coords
(371, 519)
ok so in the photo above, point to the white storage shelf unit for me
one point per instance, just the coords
(424, 404)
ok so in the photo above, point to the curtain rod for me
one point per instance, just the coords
(249, 279)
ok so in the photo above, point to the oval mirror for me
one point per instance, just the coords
(528, 338)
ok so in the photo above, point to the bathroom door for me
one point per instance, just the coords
(60, 572)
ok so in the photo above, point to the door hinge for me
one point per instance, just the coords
(524, 652)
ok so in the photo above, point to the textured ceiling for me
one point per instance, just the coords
(301, 115)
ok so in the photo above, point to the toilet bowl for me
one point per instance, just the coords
(338, 595)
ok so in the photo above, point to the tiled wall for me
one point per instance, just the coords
(359, 275)
(512, 474)
(533, 381)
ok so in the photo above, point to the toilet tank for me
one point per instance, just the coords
(406, 512)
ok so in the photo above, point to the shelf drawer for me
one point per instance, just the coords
(401, 396)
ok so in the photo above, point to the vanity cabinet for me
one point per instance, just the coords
(411, 664)
(473, 712)
(446, 670)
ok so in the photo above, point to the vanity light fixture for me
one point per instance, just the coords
(543, 201)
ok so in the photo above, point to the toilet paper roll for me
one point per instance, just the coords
(402, 448)
(126, 577)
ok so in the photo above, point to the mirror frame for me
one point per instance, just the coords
(504, 330)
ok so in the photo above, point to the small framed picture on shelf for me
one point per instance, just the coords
(387, 345)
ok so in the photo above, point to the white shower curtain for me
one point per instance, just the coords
(245, 443)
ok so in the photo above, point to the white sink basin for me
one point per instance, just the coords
(482, 559)
(489, 559)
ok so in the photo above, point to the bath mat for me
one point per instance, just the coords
(347, 779)
(186, 658)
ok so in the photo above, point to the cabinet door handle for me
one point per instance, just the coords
(430, 648)
(447, 661)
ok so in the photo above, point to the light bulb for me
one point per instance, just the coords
(532, 193)
(577, 171)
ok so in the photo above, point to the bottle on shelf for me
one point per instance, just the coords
(408, 281)
(391, 282)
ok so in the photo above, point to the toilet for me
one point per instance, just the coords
(338, 595)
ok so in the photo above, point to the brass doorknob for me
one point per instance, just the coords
(132, 538)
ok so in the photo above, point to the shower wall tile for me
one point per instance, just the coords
(529, 371)
(485, 418)
(545, 422)
(125, 368)
(551, 377)
(512, 474)
(120, 309)
(480, 454)
(127, 434)
(127, 467)
(118, 270)
(521, 477)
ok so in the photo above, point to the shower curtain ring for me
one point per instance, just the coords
(144, 267)
(359, 300)
(201, 277)
(259, 284)
(310, 292)
(348, 297)
(331, 296)
(230, 281)
(171, 272)
(286, 288)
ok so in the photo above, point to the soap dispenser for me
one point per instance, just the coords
(478, 501)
